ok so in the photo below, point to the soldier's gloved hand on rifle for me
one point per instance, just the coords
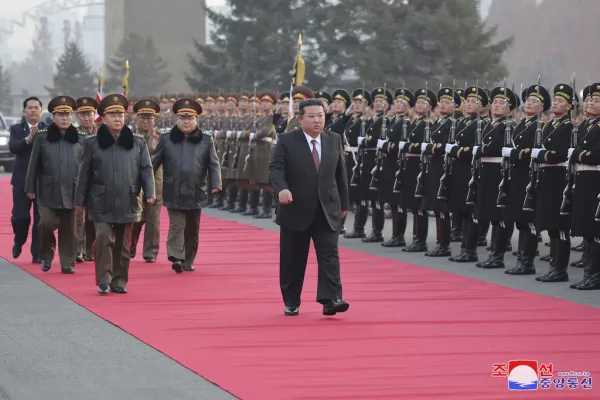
(507, 151)
(360, 139)
(401, 146)
(476, 151)
(424, 147)
(380, 143)
(449, 147)
(229, 133)
(535, 153)
(252, 134)
(570, 154)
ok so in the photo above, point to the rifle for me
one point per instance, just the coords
(401, 155)
(502, 200)
(534, 172)
(476, 164)
(225, 162)
(443, 190)
(355, 178)
(375, 172)
(252, 143)
(566, 207)
(420, 189)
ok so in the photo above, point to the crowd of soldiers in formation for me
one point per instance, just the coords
(471, 157)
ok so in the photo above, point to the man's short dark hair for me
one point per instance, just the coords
(31, 98)
(310, 103)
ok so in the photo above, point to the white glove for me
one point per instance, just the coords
(423, 147)
(535, 152)
(215, 132)
(360, 139)
(252, 135)
(239, 134)
(380, 143)
(449, 147)
(506, 151)
(475, 150)
(570, 152)
(229, 133)
(401, 145)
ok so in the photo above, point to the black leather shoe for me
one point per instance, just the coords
(579, 247)
(522, 268)
(88, 258)
(374, 237)
(16, 251)
(250, 212)
(238, 210)
(590, 284)
(335, 306)
(263, 215)
(149, 260)
(416, 247)
(118, 290)
(189, 268)
(355, 235)
(554, 276)
(481, 242)
(291, 311)
(46, 265)
(494, 263)
(104, 289)
(177, 267)
(395, 241)
(440, 251)
(546, 258)
(68, 270)
(455, 237)
(132, 253)
(79, 258)
(465, 257)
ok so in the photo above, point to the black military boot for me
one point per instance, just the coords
(584, 257)
(558, 269)
(520, 245)
(253, 199)
(496, 259)
(243, 203)
(398, 229)
(442, 224)
(591, 280)
(484, 227)
(526, 265)
(456, 234)
(580, 246)
(267, 206)
(378, 220)
(231, 198)
(549, 257)
(420, 229)
(360, 219)
(492, 238)
(470, 236)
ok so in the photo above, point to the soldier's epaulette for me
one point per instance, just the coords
(598, 124)
(88, 137)
(206, 133)
(43, 130)
(504, 122)
(137, 135)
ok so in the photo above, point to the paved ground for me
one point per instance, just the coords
(528, 283)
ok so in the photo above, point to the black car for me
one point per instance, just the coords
(7, 158)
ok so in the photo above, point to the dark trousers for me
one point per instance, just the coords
(112, 253)
(293, 255)
(21, 219)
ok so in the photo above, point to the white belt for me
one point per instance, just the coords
(351, 149)
(492, 160)
(580, 167)
(562, 164)
(411, 155)
(267, 139)
(371, 149)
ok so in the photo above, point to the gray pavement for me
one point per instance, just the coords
(527, 283)
(51, 348)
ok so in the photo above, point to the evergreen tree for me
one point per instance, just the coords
(6, 101)
(256, 43)
(147, 69)
(73, 74)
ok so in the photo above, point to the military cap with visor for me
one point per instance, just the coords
(86, 104)
(113, 103)
(187, 106)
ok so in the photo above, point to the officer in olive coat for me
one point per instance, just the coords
(51, 178)
(115, 167)
(189, 158)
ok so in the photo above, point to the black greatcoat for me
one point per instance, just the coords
(490, 173)
(436, 150)
(351, 133)
(587, 183)
(552, 176)
(523, 138)
(462, 156)
(368, 158)
(387, 175)
(412, 164)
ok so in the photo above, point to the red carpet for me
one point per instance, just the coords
(410, 333)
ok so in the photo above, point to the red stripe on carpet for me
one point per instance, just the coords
(411, 332)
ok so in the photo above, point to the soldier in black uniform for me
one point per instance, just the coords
(456, 232)
(326, 99)
(551, 159)
(436, 149)
(490, 173)
(280, 116)
(586, 156)
(337, 119)
(356, 127)
(382, 98)
(535, 101)
(425, 101)
(462, 154)
(397, 133)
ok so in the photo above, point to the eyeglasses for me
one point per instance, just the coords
(186, 117)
